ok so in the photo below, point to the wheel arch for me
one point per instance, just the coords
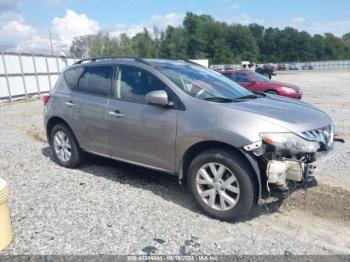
(202, 146)
(270, 89)
(54, 121)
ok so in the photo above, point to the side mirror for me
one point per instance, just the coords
(253, 82)
(158, 97)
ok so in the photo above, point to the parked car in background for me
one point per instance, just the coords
(307, 67)
(257, 82)
(267, 70)
(282, 67)
(294, 66)
(231, 146)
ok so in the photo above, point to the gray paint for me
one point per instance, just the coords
(158, 137)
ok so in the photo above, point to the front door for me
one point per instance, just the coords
(140, 132)
(245, 80)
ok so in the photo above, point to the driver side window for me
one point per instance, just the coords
(241, 77)
(132, 84)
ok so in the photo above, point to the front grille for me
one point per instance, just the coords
(324, 135)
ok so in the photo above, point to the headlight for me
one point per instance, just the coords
(290, 142)
(288, 90)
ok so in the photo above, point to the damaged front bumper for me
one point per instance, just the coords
(285, 176)
(282, 173)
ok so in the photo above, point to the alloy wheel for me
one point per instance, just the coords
(217, 186)
(62, 146)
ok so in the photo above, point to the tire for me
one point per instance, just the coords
(236, 165)
(273, 92)
(76, 155)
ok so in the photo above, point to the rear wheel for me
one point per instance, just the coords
(221, 184)
(65, 146)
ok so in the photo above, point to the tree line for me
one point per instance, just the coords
(201, 36)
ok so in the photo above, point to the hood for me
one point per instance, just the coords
(294, 115)
(278, 84)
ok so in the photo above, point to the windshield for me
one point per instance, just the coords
(201, 82)
(261, 77)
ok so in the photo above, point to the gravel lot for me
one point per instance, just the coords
(107, 207)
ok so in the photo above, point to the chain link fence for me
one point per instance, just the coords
(27, 74)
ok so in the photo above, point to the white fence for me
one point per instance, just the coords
(24, 75)
(317, 65)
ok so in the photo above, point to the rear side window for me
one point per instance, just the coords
(96, 80)
(72, 76)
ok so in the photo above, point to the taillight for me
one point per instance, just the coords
(46, 99)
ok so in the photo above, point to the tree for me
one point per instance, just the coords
(106, 46)
(346, 42)
(334, 47)
(144, 45)
(193, 35)
(79, 47)
(172, 43)
(201, 36)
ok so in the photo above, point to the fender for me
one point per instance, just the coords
(257, 172)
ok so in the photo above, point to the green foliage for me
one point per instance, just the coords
(201, 37)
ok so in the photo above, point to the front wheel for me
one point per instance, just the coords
(272, 92)
(221, 184)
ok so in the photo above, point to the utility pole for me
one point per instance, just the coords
(51, 41)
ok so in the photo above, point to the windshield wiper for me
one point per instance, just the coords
(219, 99)
(248, 97)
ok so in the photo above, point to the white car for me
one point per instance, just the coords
(294, 66)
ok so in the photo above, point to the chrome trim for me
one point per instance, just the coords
(132, 162)
(324, 135)
(253, 146)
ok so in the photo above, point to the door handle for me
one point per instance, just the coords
(69, 103)
(116, 114)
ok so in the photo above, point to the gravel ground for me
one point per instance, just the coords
(106, 207)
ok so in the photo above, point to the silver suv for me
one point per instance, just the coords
(232, 147)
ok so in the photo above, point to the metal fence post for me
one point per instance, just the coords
(36, 75)
(58, 65)
(6, 75)
(48, 72)
(22, 72)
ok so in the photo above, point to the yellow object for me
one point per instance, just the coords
(6, 234)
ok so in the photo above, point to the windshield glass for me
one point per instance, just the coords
(201, 82)
(261, 77)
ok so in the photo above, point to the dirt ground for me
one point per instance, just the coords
(316, 221)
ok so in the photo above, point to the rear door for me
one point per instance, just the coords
(90, 100)
(140, 132)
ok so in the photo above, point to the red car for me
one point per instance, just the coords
(256, 82)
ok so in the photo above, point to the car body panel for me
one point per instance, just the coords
(144, 133)
(159, 137)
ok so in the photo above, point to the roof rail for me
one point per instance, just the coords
(94, 59)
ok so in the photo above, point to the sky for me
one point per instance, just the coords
(25, 24)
